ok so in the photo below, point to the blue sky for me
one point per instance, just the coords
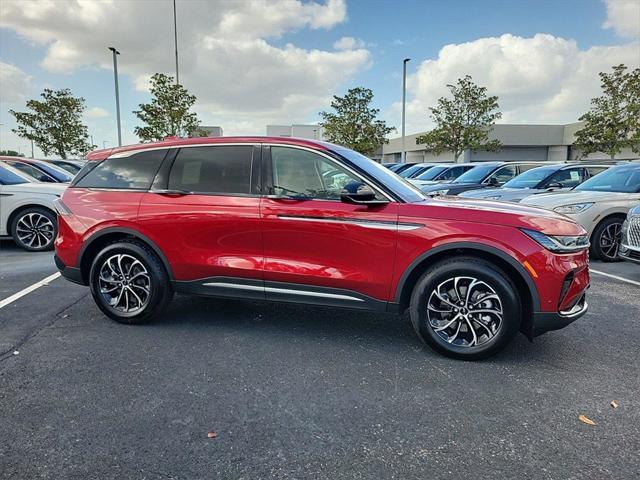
(251, 63)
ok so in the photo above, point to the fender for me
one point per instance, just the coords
(127, 231)
(535, 299)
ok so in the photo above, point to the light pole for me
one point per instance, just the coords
(32, 148)
(404, 101)
(115, 77)
(175, 40)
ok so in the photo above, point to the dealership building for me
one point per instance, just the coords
(520, 142)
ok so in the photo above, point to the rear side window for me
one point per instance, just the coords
(129, 173)
(213, 170)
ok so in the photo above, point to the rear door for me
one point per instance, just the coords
(317, 248)
(203, 213)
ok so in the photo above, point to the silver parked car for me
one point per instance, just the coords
(630, 241)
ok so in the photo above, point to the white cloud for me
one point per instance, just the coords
(226, 58)
(541, 79)
(14, 84)
(348, 43)
(623, 16)
(95, 112)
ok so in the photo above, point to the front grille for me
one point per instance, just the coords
(633, 232)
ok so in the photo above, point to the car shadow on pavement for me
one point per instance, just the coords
(388, 332)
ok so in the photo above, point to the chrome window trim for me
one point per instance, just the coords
(373, 224)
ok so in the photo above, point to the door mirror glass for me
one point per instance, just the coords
(554, 185)
(493, 181)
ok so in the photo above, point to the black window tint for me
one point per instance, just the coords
(593, 171)
(219, 169)
(130, 173)
(505, 174)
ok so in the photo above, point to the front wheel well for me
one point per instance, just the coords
(21, 209)
(523, 288)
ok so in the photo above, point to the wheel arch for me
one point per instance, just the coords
(614, 214)
(24, 207)
(527, 289)
(108, 235)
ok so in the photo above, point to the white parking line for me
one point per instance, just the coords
(29, 289)
(622, 279)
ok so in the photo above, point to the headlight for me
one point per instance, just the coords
(442, 191)
(559, 243)
(573, 209)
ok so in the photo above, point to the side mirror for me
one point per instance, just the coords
(360, 194)
(554, 185)
(493, 181)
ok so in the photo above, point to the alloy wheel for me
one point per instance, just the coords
(35, 230)
(124, 283)
(610, 240)
(465, 311)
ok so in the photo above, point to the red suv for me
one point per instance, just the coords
(301, 221)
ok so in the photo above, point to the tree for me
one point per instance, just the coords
(11, 153)
(354, 123)
(463, 122)
(168, 113)
(613, 122)
(55, 124)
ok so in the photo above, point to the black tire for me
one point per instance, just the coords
(601, 247)
(34, 229)
(159, 287)
(488, 340)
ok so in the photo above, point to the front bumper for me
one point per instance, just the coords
(631, 254)
(70, 273)
(546, 321)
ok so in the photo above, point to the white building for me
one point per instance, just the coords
(552, 143)
(312, 132)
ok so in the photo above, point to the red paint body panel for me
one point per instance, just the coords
(205, 235)
(347, 256)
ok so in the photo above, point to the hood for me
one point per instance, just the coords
(493, 212)
(37, 188)
(556, 199)
(421, 183)
(504, 194)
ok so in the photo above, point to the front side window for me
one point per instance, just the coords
(128, 173)
(567, 178)
(32, 171)
(224, 169)
(302, 173)
(505, 174)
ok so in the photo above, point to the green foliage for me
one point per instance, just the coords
(11, 153)
(55, 124)
(168, 113)
(613, 122)
(354, 123)
(464, 121)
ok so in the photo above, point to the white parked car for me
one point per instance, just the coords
(27, 213)
(600, 205)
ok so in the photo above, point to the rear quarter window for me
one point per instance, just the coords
(128, 173)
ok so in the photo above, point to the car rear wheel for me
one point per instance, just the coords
(34, 229)
(605, 240)
(129, 283)
(465, 308)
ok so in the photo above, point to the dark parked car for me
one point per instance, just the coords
(71, 166)
(484, 175)
(440, 174)
(401, 167)
(550, 178)
(303, 221)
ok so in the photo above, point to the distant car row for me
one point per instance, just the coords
(595, 195)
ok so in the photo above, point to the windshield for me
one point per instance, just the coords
(400, 187)
(624, 179)
(432, 173)
(530, 178)
(7, 177)
(476, 174)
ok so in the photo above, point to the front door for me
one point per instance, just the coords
(318, 249)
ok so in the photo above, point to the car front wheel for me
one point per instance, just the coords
(129, 283)
(605, 240)
(465, 308)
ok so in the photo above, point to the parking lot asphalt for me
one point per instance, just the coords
(302, 392)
